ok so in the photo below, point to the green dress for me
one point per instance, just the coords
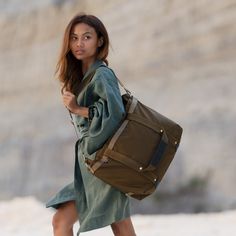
(98, 203)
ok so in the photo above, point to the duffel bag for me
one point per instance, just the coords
(135, 159)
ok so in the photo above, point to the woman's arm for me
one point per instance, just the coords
(106, 110)
(69, 100)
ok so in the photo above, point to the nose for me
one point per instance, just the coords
(80, 43)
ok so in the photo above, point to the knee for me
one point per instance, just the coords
(117, 230)
(123, 228)
(57, 220)
(60, 221)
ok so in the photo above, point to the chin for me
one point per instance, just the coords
(78, 57)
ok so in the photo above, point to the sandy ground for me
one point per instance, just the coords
(28, 217)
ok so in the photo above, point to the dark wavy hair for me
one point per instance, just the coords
(69, 69)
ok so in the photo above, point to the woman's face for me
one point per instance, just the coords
(84, 42)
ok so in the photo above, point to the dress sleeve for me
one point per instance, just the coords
(105, 113)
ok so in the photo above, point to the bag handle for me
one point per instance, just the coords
(159, 150)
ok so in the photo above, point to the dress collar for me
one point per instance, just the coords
(93, 67)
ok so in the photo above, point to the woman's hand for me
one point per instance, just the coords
(69, 100)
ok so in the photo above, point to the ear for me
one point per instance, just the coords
(100, 42)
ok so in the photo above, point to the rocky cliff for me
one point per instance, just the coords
(176, 56)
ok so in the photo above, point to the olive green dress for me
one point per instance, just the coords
(98, 203)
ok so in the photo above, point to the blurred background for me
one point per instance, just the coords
(176, 56)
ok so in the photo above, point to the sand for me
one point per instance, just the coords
(29, 217)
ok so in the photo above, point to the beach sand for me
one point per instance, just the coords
(29, 217)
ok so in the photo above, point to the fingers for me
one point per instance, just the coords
(68, 94)
(69, 99)
(63, 90)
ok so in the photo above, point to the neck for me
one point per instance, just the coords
(86, 65)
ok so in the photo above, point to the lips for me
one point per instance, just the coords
(79, 51)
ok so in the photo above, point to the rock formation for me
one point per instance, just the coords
(176, 56)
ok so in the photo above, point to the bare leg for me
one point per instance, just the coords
(123, 228)
(64, 219)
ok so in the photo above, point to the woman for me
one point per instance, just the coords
(97, 112)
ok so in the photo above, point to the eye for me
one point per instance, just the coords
(86, 37)
(73, 38)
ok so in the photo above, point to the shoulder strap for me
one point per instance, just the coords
(85, 82)
(122, 85)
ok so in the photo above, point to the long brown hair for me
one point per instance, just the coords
(69, 69)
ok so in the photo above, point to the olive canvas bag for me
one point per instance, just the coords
(136, 157)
